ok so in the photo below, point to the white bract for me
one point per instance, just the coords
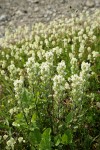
(10, 143)
(20, 139)
(61, 68)
(5, 137)
(45, 70)
(58, 86)
(49, 56)
(95, 54)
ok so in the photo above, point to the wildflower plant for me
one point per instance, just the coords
(49, 85)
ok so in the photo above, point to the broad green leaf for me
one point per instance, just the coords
(67, 137)
(70, 135)
(45, 143)
(64, 139)
(20, 116)
(69, 118)
(24, 96)
(33, 120)
(58, 139)
(35, 137)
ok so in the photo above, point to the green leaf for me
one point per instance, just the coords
(33, 148)
(35, 137)
(24, 96)
(3, 126)
(45, 143)
(20, 119)
(70, 136)
(33, 120)
(19, 116)
(64, 139)
(69, 118)
(67, 137)
(58, 140)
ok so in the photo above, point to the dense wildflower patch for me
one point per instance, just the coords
(49, 85)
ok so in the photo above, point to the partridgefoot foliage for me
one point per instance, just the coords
(50, 85)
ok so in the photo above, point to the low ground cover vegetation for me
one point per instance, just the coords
(50, 85)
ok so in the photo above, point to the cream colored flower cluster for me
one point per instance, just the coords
(80, 82)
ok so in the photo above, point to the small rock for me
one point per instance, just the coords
(1, 35)
(97, 3)
(36, 9)
(25, 11)
(3, 17)
(85, 8)
(90, 3)
(36, 1)
(49, 6)
(19, 12)
(48, 19)
(54, 14)
(45, 15)
(49, 12)
(62, 1)
(42, 2)
(54, 10)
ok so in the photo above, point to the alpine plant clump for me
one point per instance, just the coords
(50, 85)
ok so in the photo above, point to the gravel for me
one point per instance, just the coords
(27, 12)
